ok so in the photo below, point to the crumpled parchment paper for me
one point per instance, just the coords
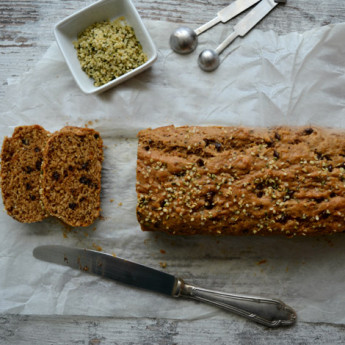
(264, 80)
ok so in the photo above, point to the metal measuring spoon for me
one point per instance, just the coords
(209, 59)
(184, 40)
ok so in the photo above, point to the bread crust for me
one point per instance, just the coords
(236, 181)
(21, 160)
(71, 178)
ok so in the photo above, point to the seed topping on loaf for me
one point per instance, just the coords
(227, 180)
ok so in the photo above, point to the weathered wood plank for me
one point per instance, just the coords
(43, 330)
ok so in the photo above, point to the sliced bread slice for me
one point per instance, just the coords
(21, 160)
(71, 178)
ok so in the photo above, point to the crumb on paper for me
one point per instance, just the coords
(162, 251)
(113, 254)
(329, 242)
(87, 124)
(163, 264)
(66, 229)
(95, 341)
(111, 200)
(97, 247)
(120, 203)
(262, 262)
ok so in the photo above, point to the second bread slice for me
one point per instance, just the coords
(71, 179)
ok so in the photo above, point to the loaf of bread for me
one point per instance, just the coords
(21, 159)
(227, 180)
(71, 175)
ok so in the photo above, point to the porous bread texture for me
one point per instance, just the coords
(235, 181)
(71, 178)
(21, 159)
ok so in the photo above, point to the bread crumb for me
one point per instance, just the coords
(162, 251)
(111, 200)
(97, 247)
(163, 264)
(120, 203)
(89, 123)
(262, 262)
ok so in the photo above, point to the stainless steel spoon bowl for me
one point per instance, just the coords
(183, 40)
(208, 60)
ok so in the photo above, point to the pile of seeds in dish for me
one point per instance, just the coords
(108, 50)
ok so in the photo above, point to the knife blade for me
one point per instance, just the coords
(227, 13)
(269, 312)
(249, 21)
(108, 266)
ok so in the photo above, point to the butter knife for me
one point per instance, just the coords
(268, 312)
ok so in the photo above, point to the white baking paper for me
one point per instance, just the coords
(264, 80)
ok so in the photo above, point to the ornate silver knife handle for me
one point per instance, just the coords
(268, 312)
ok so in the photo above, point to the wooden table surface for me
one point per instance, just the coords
(26, 33)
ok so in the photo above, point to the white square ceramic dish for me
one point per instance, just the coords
(67, 30)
